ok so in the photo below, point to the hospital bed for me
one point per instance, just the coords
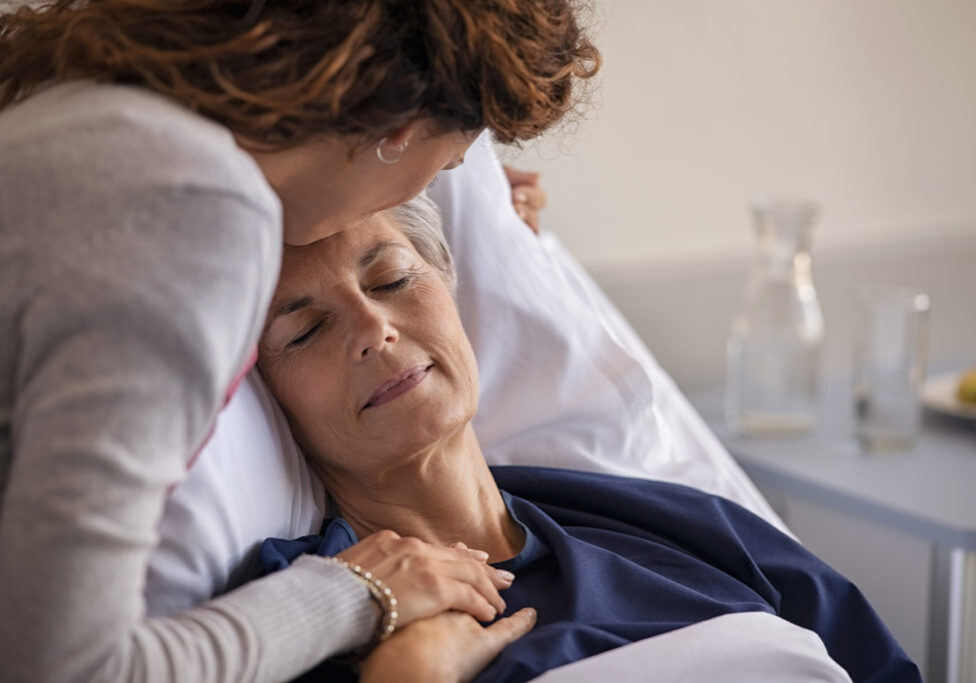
(565, 382)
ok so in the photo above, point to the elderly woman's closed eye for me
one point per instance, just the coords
(365, 351)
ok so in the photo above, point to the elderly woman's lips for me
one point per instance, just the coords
(398, 385)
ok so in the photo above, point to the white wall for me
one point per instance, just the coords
(684, 311)
(866, 105)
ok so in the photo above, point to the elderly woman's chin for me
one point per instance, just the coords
(422, 417)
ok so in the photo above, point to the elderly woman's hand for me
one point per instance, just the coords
(527, 197)
(428, 579)
(449, 648)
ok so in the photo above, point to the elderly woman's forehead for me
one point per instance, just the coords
(345, 247)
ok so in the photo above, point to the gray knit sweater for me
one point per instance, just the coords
(138, 249)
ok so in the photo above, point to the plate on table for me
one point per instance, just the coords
(939, 394)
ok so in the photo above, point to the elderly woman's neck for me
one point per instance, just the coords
(442, 496)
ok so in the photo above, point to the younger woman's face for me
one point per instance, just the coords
(330, 183)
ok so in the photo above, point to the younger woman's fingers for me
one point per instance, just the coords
(530, 218)
(502, 579)
(467, 599)
(530, 196)
(519, 177)
(487, 583)
(472, 553)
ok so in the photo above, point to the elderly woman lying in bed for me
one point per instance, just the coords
(364, 350)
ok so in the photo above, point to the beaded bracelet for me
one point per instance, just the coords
(383, 597)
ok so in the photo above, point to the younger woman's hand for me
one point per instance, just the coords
(428, 579)
(448, 648)
(527, 196)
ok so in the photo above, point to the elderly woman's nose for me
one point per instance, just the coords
(373, 330)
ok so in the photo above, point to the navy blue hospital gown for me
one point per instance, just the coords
(611, 560)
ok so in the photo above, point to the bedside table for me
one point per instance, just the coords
(928, 492)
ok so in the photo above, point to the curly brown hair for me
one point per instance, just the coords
(279, 72)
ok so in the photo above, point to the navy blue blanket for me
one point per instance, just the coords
(610, 560)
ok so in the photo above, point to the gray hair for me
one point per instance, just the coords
(420, 221)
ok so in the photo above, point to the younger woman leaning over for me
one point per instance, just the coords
(153, 156)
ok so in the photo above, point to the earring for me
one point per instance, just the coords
(383, 159)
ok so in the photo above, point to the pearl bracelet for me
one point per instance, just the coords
(383, 597)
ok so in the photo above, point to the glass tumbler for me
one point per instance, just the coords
(890, 351)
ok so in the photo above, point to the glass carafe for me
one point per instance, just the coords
(773, 350)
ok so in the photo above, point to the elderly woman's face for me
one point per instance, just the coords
(365, 351)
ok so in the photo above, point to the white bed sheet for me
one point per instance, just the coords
(734, 648)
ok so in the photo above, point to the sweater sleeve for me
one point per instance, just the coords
(135, 322)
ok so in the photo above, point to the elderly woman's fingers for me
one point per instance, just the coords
(428, 579)
(508, 630)
(448, 648)
(483, 646)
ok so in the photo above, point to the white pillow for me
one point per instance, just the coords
(565, 382)
(248, 483)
